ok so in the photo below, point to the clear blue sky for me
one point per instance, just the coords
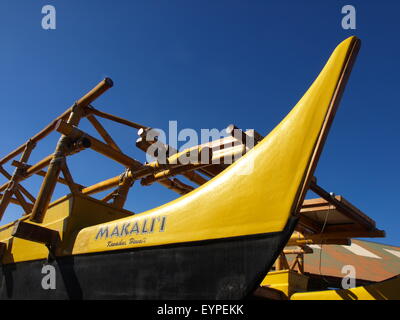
(207, 64)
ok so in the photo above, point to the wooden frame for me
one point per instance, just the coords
(74, 140)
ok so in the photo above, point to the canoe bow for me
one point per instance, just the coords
(258, 193)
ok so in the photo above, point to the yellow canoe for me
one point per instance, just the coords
(218, 241)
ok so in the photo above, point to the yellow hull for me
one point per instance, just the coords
(256, 195)
(231, 228)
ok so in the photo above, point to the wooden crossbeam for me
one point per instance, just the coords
(90, 109)
(39, 136)
(68, 178)
(50, 180)
(12, 187)
(304, 250)
(42, 173)
(12, 200)
(19, 186)
(281, 263)
(35, 233)
(103, 132)
(24, 204)
(109, 196)
(101, 147)
(343, 208)
(144, 144)
(159, 176)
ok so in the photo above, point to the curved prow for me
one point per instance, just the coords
(216, 242)
(257, 194)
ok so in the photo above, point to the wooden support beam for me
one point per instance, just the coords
(42, 173)
(281, 263)
(239, 135)
(300, 258)
(107, 151)
(33, 169)
(343, 242)
(347, 235)
(304, 250)
(68, 178)
(194, 177)
(182, 185)
(74, 133)
(13, 183)
(5, 200)
(20, 187)
(295, 263)
(3, 248)
(309, 224)
(122, 191)
(101, 186)
(144, 144)
(35, 233)
(103, 132)
(25, 205)
(109, 196)
(159, 176)
(174, 185)
(39, 136)
(343, 208)
(298, 239)
(12, 200)
(50, 180)
(91, 109)
(194, 155)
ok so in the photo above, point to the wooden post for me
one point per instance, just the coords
(12, 200)
(50, 180)
(3, 248)
(68, 178)
(122, 191)
(13, 183)
(301, 263)
(281, 263)
(103, 132)
(20, 187)
(69, 130)
(41, 173)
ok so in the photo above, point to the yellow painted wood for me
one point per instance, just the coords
(385, 290)
(68, 216)
(255, 195)
(286, 281)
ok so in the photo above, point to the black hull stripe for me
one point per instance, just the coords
(229, 268)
